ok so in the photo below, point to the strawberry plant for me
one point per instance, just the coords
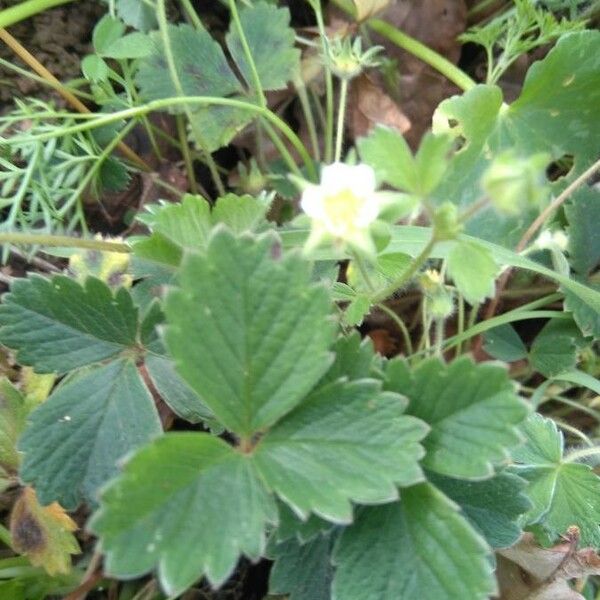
(199, 395)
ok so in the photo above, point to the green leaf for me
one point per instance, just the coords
(137, 14)
(474, 270)
(554, 350)
(271, 41)
(345, 442)
(354, 359)
(106, 32)
(563, 493)
(132, 45)
(226, 511)
(94, 68)
(493, 506)
(13, 412)
(241, 213)
(561, 94)
(504, 343)
(583, 216)
(472, 409)
(291, 526)
(75, 439)
(202, 68)
(252, 338)
(420, 547)
(57, 325)
(219, 124)
(302, 572)
(585, 310)
(175, 392)
(387, 152)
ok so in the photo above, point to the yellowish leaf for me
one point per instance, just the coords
(367, 8)
(43, 533)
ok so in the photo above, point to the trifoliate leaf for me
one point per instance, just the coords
(137, 14)
(202, 68)
(57, 325)
(302, 572)
(184, 491)
(563, 493)
(420, 547)
(473, 270)
(13, 412)
(247, 330)
(472, 409)
(75, 439)
(504, 343)
(493, 506)
(43, 533)
(561, 94)
(345, 442)
(175, 392)
(271, 41)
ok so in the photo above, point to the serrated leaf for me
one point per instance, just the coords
(74, 440)
(302, 572)
(57, 325)
(420, 547)
(504, 343)
(240, 213)
(113, 175)
(271, 41)
(291, 526)
(583, 216)
(252, 339)
(137, 14)
(563, 493)
(473, 270)
(202, 68)
(226, 511)
(354, 359)
(175, 392)
(472, 409)
(43, 533)
(317, 460)
(219, 124)
(561, 94)
(493, 506)
(585, 312)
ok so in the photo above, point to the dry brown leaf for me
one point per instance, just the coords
(367, 8)
(528, 572)
(371, 106)
(43, 533)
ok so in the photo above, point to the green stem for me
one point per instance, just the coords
(579, 454)
(341, 118)
(24, 10)
(427, 55)
(185, 151)
(5, 536)
(170, 58)
(328, 86)
(401, 326)
(165, 103)
(363, 270)
(248, 53)
(63, 241)
(191, 13)
(416, 264)
(309, 117)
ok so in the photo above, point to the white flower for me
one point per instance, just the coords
(342, 206)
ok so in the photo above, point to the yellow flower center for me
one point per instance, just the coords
(342, 209)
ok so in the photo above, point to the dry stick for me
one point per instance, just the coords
(39, 68)
(531, 231)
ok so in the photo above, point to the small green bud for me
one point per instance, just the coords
(446, 222)
(513, 183)
(347, 59)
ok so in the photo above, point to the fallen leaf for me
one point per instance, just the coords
(43, 533)
(371, 106)
(527, 571)
(367, 8)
